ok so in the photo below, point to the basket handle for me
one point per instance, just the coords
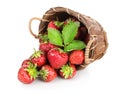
(87, 59)
(30, 22)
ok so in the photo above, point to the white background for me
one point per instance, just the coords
(16, 44)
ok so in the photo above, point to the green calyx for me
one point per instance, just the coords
(58, 24)
(32, 70)
(44, 37)
(70, 20)
(36, 54)
(60, 50)
(67, 71)
(43, 74)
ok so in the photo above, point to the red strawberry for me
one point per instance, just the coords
(47, 73)
(45, 47)
(57, 57)
(38, 58)
(25, 63)
(76, 57)
(55, 24)
(27, 74)
(24, 77)
(52, 25)
(67, 71)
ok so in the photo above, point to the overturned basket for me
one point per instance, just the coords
(97, 43)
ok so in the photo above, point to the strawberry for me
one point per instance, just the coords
(76, 57)
(27, 74)
(25, 63)
(47, 73)
(55, 24)
(45, 47)
(52, 25)
(67, 71)
(24, 77)
(57, 57)
(38, 58)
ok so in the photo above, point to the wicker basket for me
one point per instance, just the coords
(97, 43)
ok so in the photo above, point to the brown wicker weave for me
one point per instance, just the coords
(97, 44)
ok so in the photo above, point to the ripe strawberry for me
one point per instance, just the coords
(52, 25)
(25, 63)
(27, 74)
(38, 58)
(45, 47)
(57, 57)
(55, 24)
(67, 71)
(76, 57)
(47, 73)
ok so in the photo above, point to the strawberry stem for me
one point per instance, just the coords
(67, 71)
(44, 38)
(32, 70)
(43, 74)
(36, 54)
(58, 24)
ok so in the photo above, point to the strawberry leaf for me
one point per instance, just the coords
(55, 37)
(75, 45)
(69, 31)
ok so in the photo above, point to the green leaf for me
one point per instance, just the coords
(75, 45)
(55, 37)
(69, 31)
